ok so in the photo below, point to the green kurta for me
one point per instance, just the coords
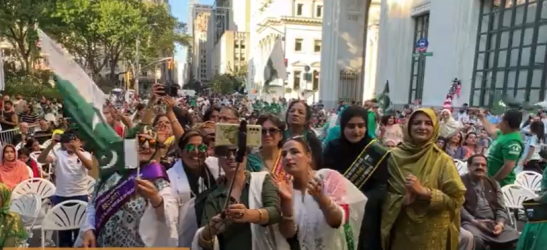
(238, 236)
(533, 236)
(505, 147)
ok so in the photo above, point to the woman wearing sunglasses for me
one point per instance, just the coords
(190, 178)
(269, 156)
(133, 207)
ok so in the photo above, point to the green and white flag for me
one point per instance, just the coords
(83, 103)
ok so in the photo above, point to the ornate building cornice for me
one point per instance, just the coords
(273, 21)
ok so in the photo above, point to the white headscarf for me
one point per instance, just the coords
(448, 127)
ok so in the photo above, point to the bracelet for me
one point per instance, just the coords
(285, 217)
(203, 240)
(259, 215)
(159, 205)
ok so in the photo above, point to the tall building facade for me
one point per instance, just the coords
(227, 36)
(191, 15)
(200, 49)
(297, 25)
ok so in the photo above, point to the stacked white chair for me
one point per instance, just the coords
(67, 215)
(461, 166)
(28, 207)
(530, 180)
(42, 187)
(513, 196)
(30, 172)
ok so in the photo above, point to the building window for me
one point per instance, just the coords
(317, 46)
(299, 9)
(298, 45)
(510, 52)
(296, 79)
(319, 11)
(315, 80)
(421, 30)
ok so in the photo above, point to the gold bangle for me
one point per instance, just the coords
(259, 215)
(208, 242)
(290, 218)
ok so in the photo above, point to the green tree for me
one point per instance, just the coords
(223, 84)
(97, 32)
(18, 21)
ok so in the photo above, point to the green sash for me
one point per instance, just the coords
(366, 163)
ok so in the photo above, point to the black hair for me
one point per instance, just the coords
(8, 102)
(385, 119)
(306, 107)
(209, 112)
(513, 118)
(274, 119)
(301, 141)
(23, 151)
(466, 136)
(234, 111)
(538, 128)
(187, 136)
(471, 158)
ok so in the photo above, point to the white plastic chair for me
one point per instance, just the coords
(39, 186)
(34, 156)
(30, 172)
(461, 166)
(28, 207)
(513, 196)
(46, 143)
(67, 215)
(530, 180)
(18, 146)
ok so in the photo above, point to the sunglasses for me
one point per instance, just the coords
(151, 142)
(270, 131)
(192, 148)
(223, 152)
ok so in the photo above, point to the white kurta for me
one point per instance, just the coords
(186, 216)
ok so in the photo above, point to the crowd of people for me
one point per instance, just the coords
(355, 177)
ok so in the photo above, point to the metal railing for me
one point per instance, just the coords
(6, 136)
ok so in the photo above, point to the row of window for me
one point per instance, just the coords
(298, 76)
(317, 10)
(298, 45)
(510, 53)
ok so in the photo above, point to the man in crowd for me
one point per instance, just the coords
(28, 115)
(45, 131)
(483, 213)
(506, 150)
(9, 119)
(23, 134)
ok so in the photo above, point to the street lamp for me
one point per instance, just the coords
(284, 34)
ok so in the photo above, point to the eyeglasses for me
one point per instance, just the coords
(270, 131)
(192, 147)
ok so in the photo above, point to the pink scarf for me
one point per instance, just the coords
(13, 172)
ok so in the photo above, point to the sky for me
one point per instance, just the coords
(179, 8)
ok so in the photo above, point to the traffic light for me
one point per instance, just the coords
(171, 64)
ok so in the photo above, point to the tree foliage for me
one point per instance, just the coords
(98, 33)
(18, 21)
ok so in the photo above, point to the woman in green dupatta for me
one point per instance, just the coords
(269, 156)
(533, 234)
(12, 230)
(425, 192)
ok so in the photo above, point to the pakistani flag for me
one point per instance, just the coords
(83, 103)
(383, 98)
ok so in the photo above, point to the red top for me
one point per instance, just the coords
(35, 170)
(119, 130)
